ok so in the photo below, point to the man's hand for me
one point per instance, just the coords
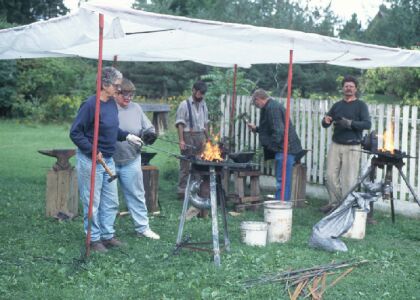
(134, 140)
(251, 127)
(149, 137)
(328, 119)
(182, 145)
(343, 122)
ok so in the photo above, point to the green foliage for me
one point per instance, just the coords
(24, 11)
(397, 25)
(161, 80)
(31, 87)
(403, 83)
(220, 82)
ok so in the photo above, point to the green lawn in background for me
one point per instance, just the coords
(39, 256)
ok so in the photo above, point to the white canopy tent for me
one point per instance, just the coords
(134, 35)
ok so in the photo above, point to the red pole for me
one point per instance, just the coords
(286, 127)
(232, 111)
(95, 133)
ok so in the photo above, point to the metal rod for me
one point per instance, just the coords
(184, 210)
(174, 142)
(215, 230)
(221, 194)
(409, 186)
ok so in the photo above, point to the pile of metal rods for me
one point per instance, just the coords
(314, 279)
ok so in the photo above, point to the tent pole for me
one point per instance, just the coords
(286, 122)
(232, 110)
(114, 63)
(95, 133)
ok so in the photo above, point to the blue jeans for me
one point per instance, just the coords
(130, 177)
(289, 171)
(105, 201)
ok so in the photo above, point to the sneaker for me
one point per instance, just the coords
(112, 243)
(98, 247)
(149, 234)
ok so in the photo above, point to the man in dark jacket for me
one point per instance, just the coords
(271, 136)
(350, 117)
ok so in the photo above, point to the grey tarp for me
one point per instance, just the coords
(326, 233)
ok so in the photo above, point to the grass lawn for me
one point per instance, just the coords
(39, 257)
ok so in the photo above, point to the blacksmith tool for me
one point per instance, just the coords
(108, 170)
(62, 155)
(174, 142)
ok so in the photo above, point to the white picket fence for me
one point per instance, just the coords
(306, 116)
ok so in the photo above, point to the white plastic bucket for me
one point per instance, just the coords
(358, 229)
(278, 215)
(254, 233)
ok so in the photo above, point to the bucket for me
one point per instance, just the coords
(278, 215)
(254, 233)
(358, 229)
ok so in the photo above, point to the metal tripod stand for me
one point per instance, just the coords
(387, 162)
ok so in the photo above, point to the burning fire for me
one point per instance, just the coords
(388, 139)
(211, 151)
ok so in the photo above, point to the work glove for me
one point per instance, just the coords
(343, 122)
(134, 140)
(149, 137)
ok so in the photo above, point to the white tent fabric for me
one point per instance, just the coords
(134, 35)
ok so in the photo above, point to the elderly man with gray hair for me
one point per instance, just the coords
(105, 202)
(271, 136)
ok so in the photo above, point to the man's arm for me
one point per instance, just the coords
(181, 127)
(327, 120)
(364, 122)
(276, 122)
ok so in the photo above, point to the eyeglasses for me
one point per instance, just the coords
(127, 94)
(117, 86)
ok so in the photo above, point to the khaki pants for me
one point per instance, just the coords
(196, 139)
(342, 170)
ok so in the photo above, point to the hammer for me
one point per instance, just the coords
(112, 177)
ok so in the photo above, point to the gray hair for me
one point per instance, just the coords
(259, 94)
(110, 75)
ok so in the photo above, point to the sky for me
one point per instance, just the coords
(365, 9)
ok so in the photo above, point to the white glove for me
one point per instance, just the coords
(134, 140)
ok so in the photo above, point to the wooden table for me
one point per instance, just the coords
(160, 115)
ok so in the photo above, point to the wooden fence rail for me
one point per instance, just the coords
(306, 115)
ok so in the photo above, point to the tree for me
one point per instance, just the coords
(352, 30)
(28, 11)
(396, 26)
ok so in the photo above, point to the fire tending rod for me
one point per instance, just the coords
(173, 142)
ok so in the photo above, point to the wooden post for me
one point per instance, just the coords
(151, 184)
(61, 194)
(298, 185)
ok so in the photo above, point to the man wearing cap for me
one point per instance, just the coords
(192, 123)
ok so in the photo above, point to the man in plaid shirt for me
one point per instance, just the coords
(271, 135)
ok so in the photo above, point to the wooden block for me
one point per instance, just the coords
(239, 186)
(151, 184)
(247, 199)
(249, 173)
(255, 185)
(61, 192)
(298, 185)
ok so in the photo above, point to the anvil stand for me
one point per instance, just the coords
(216, 191)
(381, 161)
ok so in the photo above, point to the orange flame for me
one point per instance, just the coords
(388, 139)
(211, 151)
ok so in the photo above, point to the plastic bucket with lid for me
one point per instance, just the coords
(278, 216)
(358, 229)
(254, 233)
